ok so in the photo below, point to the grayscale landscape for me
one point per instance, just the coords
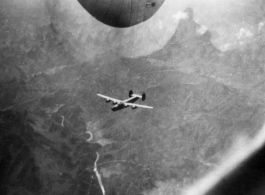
(204, 76)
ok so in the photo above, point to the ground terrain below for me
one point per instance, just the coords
(53, 124)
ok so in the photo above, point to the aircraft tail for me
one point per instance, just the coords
(131, 94)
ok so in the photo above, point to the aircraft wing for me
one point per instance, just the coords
(109, 98)
(137, 105)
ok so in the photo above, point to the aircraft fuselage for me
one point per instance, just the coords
(119, 106)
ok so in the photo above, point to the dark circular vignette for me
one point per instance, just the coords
(121, 13)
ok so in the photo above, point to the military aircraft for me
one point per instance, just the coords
(120, 104)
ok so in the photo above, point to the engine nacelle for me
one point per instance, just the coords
(114, 103)
(107, 100)
(134, 107)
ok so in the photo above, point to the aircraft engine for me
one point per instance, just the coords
(121, 13)
(134, 107)
(107, 100)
